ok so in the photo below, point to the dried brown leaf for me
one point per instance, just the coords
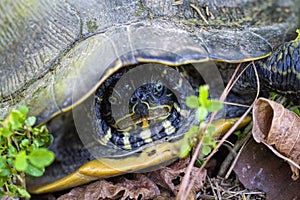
(279, 129)
(170, 177)
(141, 188)
(160, 184)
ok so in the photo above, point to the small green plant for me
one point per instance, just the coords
(295, 109)
(203, 106)
(23, 151)
(285, 102)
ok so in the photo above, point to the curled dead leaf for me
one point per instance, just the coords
(279, 129)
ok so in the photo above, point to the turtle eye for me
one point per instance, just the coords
(133, 99)
(158, 88)
(112, 100)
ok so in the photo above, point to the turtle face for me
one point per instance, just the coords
(131, 116)
(148, 105)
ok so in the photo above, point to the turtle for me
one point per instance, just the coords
(61, 55)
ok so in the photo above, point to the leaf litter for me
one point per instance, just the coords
(159, 184)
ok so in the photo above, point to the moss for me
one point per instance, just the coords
(92, 25)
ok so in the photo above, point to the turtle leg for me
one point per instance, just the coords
(279, 73)
(147, 160)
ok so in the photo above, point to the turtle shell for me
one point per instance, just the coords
(53, 53)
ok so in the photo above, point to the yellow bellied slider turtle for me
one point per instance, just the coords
(57, 55)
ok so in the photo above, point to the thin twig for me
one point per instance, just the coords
(233, 81)
(233, 154)
(185, 180)
(212, 187)
(177, 3)
(235, 104)
(218, 190)
(241, 147)
(199, 13)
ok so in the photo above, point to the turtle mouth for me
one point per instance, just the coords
(162, 122)
(144, 119)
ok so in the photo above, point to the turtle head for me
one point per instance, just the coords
(148, 105)
(144, 114)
